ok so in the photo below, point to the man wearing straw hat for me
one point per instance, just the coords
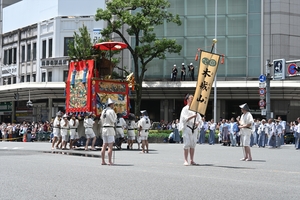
(245, 124)
(108, 120)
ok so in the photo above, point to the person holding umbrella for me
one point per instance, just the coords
(245, 124)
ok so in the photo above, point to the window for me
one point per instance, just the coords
(9, 81)
(34, 51)
(28, 78)
(14, 80)
(33, 77)
(22, 79)
(5, 57)
(14, 55)
(44, 49)
(50, 48)
(49, 76)
(23, 53)
(9, 56)
(28, 52)
(44, 77)
(67, 40)
(65, 74)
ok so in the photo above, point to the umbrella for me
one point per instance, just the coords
(109, 46)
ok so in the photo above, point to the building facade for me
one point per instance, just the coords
(248, 32)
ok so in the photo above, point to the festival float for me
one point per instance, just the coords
(89, 85)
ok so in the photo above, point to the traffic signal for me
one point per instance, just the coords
(16, 96)
(279, 69)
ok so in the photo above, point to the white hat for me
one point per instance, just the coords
(110, 101)
(182, 64)
(59, 113)
(65, 116)
(87, 113)
(144, 112)
(191, 63)
(174, 65)
(245, 107)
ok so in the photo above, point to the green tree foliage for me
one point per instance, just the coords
(139, 17)
(81, 48)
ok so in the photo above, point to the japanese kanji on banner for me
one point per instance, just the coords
(208, 67)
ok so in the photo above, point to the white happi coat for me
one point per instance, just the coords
(108, 120)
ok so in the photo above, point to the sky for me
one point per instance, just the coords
(28, 12)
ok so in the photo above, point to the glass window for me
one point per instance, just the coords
(33, 77)
(50, 48)
(14, 55)
(5, 57)
(195, 26)
(67, 40)
(65, 75)
(49, 76)
(254, 23)
(23, 53)
(237, 7)
(254, 66)
(44, 77)
(28, 78)
(254, 6)
(9, 56)
(175, 30)
(22, 79)
(14, 80)
(44, 47)
(34, 51)
(237, 46)
(236, 67)
(254, 45)
(28, 52)
(237, 25)
(9, 81)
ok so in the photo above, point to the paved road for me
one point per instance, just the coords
(33, 171)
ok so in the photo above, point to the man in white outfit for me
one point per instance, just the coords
(73, 123)
(88, 124)
(64, 127)
(143, 128)
(245, 124)
(189, 121)
(56, 130)
(108, 119)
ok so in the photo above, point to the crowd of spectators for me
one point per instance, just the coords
(26, 131)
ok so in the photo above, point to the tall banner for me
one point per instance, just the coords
(208, 67)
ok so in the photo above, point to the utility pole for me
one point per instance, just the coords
(268, 92)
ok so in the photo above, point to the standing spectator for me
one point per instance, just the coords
(175, 125)
(203, 130)
(192, 71)
(245, 124)
(3, 131)
(189, 121)
(224, 131)
(233, 131)
(283, 124)
(29, 131)
(212, 132)
(174, 73)
(183, 72)
(298, 134)
(262, 131)
(278, 133)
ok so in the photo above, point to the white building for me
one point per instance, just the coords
(34, 65)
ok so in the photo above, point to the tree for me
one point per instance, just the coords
(140, 17)
(81, 48)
